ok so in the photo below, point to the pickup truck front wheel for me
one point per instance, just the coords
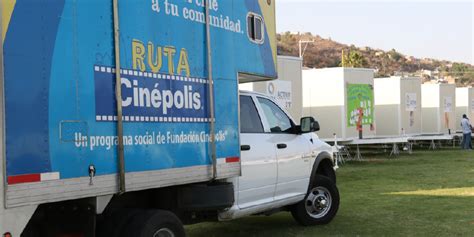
(320, 204)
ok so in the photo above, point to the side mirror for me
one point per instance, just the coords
(309, 124)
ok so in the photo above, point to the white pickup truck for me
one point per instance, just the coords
(284, 166)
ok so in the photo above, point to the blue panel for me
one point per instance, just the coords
(28, 53)
(150, 97)
(59, 62)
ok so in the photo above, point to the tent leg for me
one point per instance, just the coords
(346, 153)
(395, 151)
(358, 154)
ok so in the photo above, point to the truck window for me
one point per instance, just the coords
(255, 28)
(249, 119)
(276, 118)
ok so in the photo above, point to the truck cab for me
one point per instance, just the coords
(282, 163)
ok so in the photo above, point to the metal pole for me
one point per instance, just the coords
(338, 152)
(3, 156)
(118, 98)
(342, 59)
(299, 44)
(211, 93)
(302, 51)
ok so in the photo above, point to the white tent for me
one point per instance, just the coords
(340, 99)
(438, 104)
(398, 106)
(464, 104)
(286, 90)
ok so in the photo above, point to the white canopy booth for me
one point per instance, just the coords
(398, 106)
(464, 104)
(342, 100)
(438, 104)
(287, 89)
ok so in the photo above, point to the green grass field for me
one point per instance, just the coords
(424, 194)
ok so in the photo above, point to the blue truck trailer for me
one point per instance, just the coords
(105, 100)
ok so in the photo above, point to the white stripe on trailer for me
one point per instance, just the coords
(50, 176)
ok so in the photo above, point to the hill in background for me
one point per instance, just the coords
(327, 53)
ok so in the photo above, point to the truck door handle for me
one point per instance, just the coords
(281, 146)
(245, 148)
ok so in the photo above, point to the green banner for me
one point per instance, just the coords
(360, 104)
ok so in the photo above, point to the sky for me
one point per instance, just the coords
(421, 28)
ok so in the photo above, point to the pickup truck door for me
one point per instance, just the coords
(257, 184)
(292, 151)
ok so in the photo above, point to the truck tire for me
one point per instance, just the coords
(320, 204)
(155, 223)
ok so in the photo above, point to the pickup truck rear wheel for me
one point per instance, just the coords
(155, 223)
(320, 204)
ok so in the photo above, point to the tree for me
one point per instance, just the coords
(395, 55)
(459, 69)
(353, 59)
(461, 73)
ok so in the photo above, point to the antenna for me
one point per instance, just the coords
(343, 62)
(306, 42)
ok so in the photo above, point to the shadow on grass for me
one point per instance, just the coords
(281, 224)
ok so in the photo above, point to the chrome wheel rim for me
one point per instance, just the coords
(318, 202)
(164, 232)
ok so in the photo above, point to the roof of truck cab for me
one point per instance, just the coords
(252, 93)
